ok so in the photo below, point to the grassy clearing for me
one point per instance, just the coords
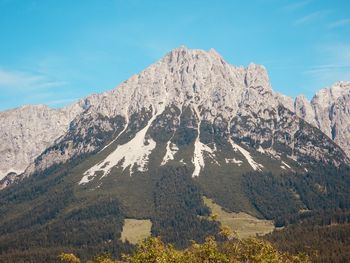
(135, 230)
(243, 224)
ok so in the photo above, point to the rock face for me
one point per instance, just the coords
(238, 101)
(27, 131)
(192, 97)
(329, 110)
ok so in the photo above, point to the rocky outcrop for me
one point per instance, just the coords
(214, 91)
(238, 100)
(27, 131)
(329, 110)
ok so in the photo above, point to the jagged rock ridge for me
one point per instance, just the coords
(238, 102)
(27, 131)
(329, 110)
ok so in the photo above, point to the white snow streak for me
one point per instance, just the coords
(171, 149)
(198, 158)
(133, 152)
(199, 148)
(126, 125)
(285, 164)
(238, 162)
(256, 166)
(11, 171)
(260, 149)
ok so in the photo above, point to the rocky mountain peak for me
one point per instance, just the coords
(327, 96)
(304, 109)
(213, 52)
(183, 54)
(28, 130)
(256, 76)
(329, 111)
(186, 77)
(235, 100)
(332, 108)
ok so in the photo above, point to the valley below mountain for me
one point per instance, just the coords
(188, 137)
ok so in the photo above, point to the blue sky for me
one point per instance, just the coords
(54, 52)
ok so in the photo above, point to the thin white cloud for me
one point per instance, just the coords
(327, 77)
(337, 52)
(15, 79)
(326, 68)
(297, 5)
(310, 17)
(336, 67)
(19, 80)
(339, 23)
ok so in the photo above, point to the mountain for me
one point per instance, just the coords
(182, 75)
(192, 80)
(329, 110)
(27, 131)
(189, 125)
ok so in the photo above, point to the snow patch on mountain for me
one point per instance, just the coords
(286, 165)
(273, 153)
(234, 161)
(134, 152)
(256, 166)
(11, 171)
(199, 149)
(171, 149)
(116, 138)
(261, 150)
(198, 158)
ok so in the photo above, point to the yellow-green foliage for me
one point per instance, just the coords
(102, 259)
(255, 250)
(154, 250)
(251, 250)
(70, 258)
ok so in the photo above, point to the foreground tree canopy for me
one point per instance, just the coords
(153, 250)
